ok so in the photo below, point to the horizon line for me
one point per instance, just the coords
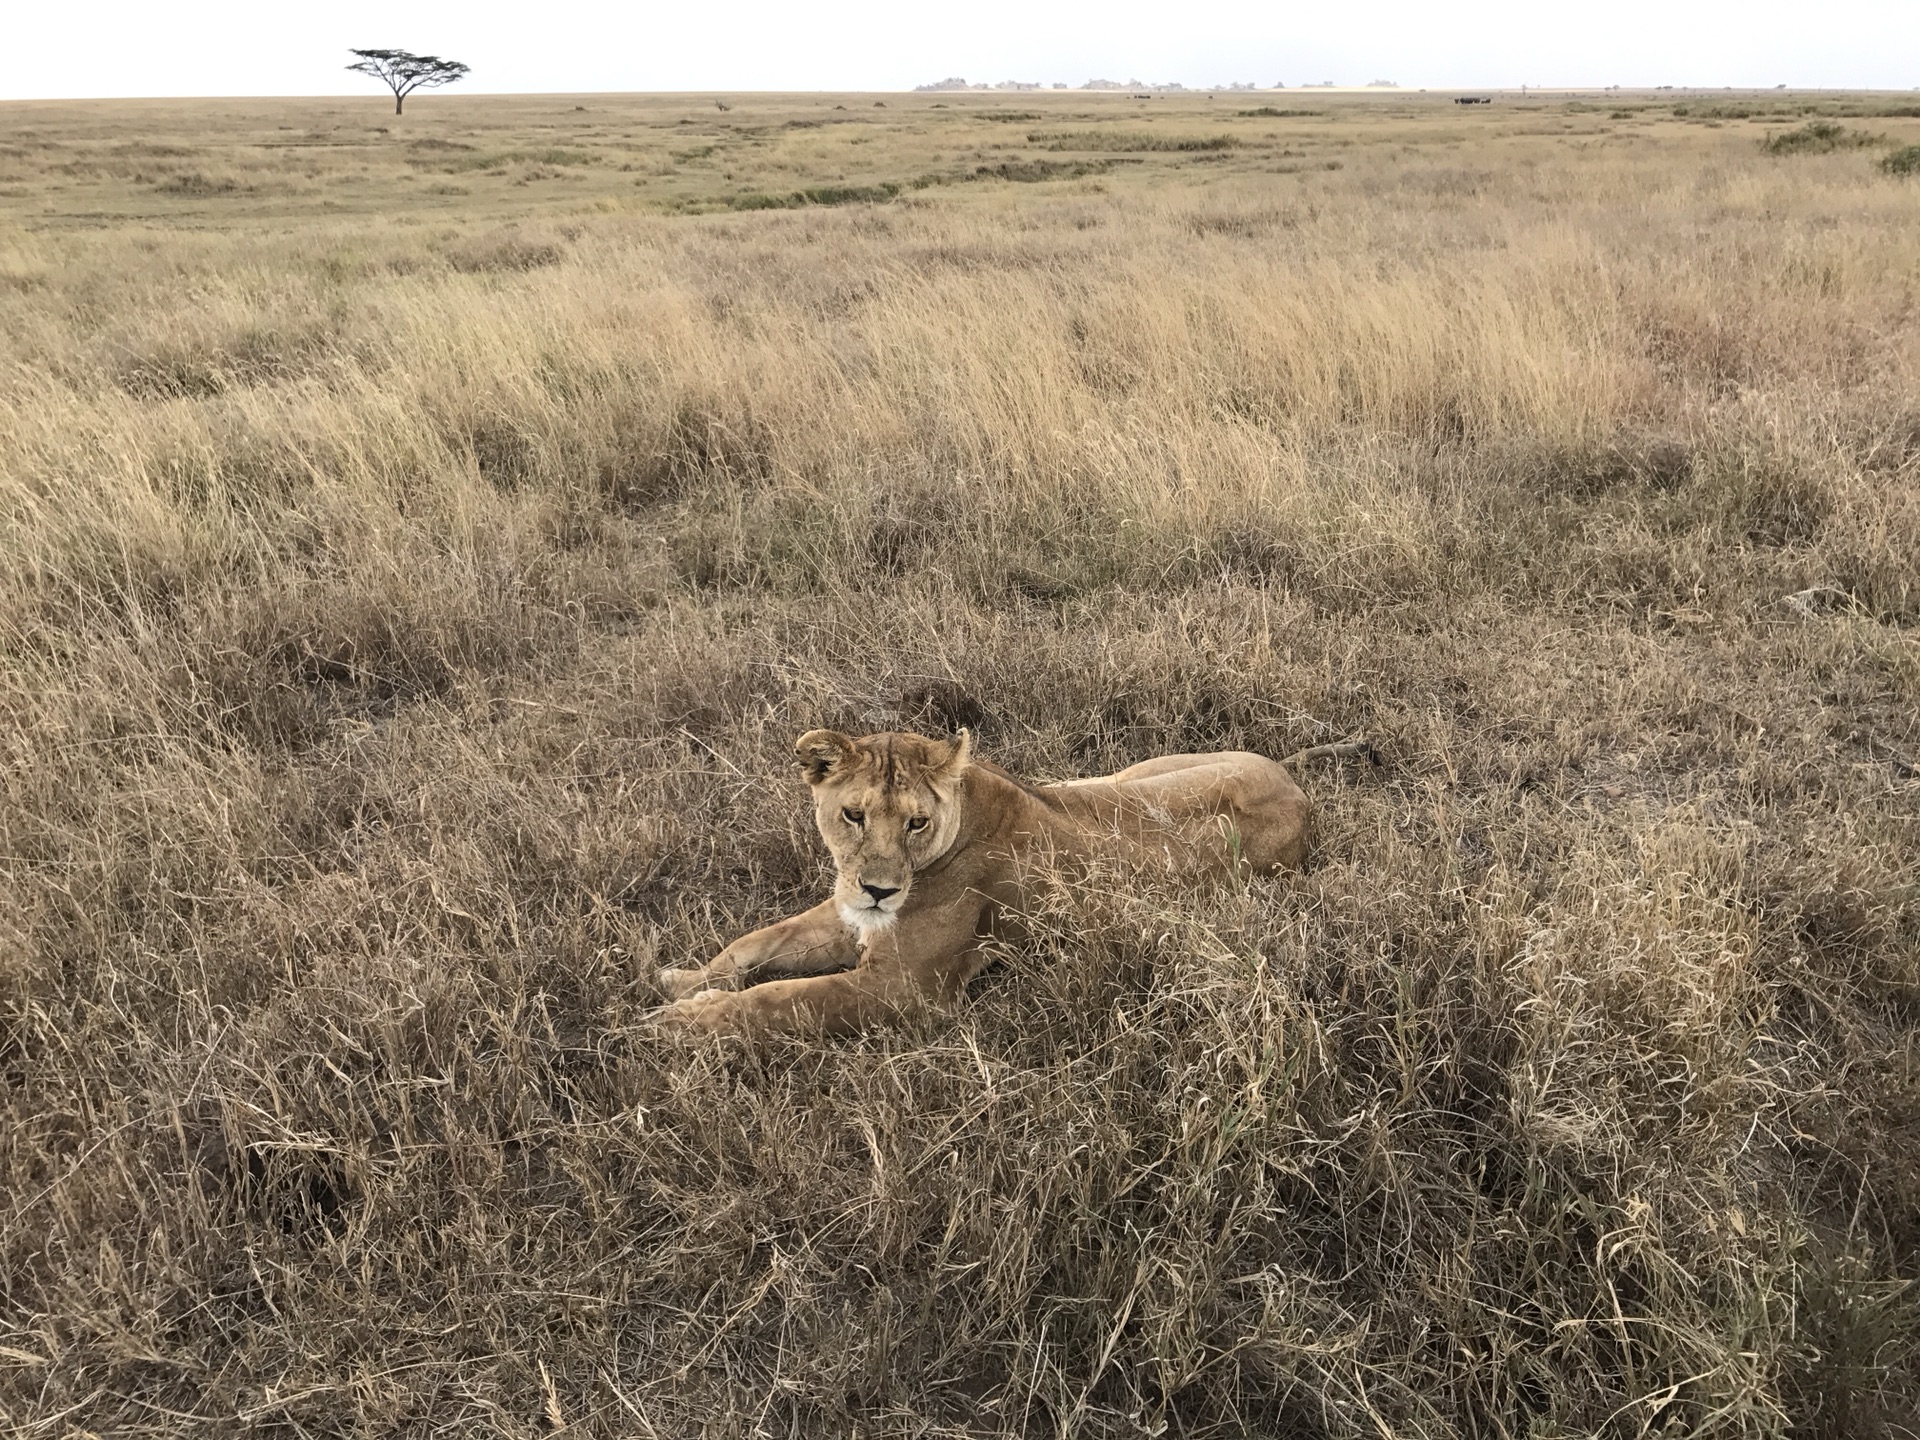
(1022, 89)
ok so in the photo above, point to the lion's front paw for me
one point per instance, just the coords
(679, 984)
(710, 1011)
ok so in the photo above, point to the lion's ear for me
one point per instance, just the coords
(959, 755)
(820, 753)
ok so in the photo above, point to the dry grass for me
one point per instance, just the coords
(424, 543)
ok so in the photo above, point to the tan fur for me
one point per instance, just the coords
(928, 845)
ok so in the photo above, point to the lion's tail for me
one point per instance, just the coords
(1344, 750)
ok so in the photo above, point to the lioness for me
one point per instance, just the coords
(928, 842)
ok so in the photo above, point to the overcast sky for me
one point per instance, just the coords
(72, 48)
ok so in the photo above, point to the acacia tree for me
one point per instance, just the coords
(403, 72)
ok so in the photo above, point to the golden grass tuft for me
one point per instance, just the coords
(413, 589)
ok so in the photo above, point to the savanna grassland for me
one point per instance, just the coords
(425, 536)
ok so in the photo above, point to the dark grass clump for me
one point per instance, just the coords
(455, 164)
(1904, 161)
(1030, 172)
(505, 250)
(816, 195)
(196, 185)
(1818, 137)
(1132, 141)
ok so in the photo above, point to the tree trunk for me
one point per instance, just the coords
(398, 101)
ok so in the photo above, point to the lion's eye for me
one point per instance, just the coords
(853, 817)
(917, 822)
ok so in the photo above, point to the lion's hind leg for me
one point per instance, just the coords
(1232, 809)
(1270, 815)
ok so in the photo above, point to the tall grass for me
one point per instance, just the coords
(404, 628)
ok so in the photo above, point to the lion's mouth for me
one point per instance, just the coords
(874, 916)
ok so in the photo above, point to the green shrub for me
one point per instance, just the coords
(1904, 161)
(1817, 137)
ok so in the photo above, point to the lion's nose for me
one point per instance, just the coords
(880, 892)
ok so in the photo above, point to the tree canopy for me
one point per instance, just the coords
(403, 72)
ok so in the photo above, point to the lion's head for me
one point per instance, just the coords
(887, 805)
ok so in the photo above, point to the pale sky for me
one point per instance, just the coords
(81, 48)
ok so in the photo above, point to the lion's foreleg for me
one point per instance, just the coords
(909, 967)
(814, 942)
(825, 1004)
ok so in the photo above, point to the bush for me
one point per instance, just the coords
(1817, 137)
(1904, 161)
